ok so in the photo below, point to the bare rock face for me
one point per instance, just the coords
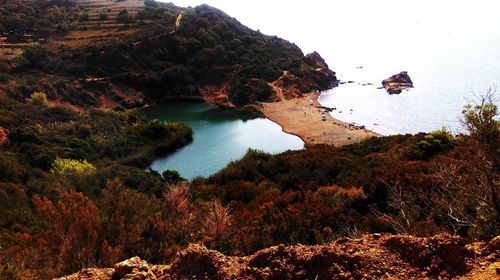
(397, 83)
(134, 265)
(376, 256)
(441, 256)
(91, 274)
(197, 262)
(316, 57)
(493, 245)
(323, 77)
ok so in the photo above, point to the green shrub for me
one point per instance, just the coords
(71, 166)
(436, 142)
(84, 17)
(124, 17)
(246, 91)
(103, 16)
(36, 55)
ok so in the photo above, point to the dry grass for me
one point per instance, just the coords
(9, 53)
(111, 4)
(98, 33)
(96, 24)
(82, 38)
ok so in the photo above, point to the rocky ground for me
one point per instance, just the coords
(370, 257)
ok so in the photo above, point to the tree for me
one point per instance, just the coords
(180, 209)
(73, 231)
(36, 55)
(171, 177)
(217, 224)
(3, 136)
(124, 17)
(433, 143)
(103, 16)
(173, 227)
(151, 3)
(398, 200)
(121, 227)
(481, 122)
(470, 181)
(84, 17)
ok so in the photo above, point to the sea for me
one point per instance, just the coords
(450, 49)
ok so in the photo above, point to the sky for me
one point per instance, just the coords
(451, 49)
(317, 24)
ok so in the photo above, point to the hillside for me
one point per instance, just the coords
(369, 257)
(75, 194)
(105, 53)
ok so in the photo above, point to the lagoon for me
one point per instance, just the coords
(219, 137)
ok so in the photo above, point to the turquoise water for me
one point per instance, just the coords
(220, 136)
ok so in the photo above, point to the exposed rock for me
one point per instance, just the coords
(494, 245)
(323, 77)
(397, 83)
(197, 262)
(370, 257)
(91, 274)
(442, 255)
(128, 266)
(316, 57)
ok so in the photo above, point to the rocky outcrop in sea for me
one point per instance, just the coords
(397, 83)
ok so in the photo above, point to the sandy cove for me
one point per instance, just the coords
(300, 117)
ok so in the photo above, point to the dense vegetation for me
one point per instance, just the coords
(51, 152)
(74, 192)
(196, 47)
(70, 197)
(173, 54)
(41, 19)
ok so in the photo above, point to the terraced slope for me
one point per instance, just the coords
(98, 22)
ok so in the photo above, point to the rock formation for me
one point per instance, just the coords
(316, 57)
(324, 77)
(370, 257)
(396, 83)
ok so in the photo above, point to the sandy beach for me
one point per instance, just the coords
(301, 117)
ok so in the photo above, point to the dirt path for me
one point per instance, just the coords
(279, 91)
(177, 23)
(301, 117)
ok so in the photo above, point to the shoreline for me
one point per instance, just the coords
(302, 117)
